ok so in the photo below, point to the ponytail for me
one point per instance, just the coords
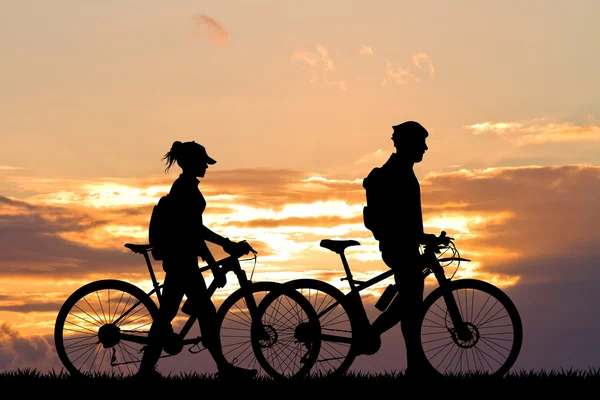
(172, 155)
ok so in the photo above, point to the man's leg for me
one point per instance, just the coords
(411, 296)
(395, 259)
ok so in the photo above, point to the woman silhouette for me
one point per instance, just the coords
(187, 241)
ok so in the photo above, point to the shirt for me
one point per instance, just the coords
(403, 203)
(188, 206)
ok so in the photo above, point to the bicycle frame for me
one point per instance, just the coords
(431, 265)
(229, 264)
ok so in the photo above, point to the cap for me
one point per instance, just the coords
(199, 150)
(411, 128)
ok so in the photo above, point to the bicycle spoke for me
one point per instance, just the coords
(90, 328)
(492, 340)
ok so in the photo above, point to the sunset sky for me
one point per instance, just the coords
(296, 102)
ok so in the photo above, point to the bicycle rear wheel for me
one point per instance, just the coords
(286, 334)
(91, 324)
(337, 339)
(493, 321)
(282, 311)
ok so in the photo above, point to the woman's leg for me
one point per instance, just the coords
(199, 300)
(198, 297)
(161, 328)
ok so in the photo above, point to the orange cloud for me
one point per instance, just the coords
(319, 59)
(286, 210)
(400, 76)
(366, 50)
(533, 132)
(210, 29)
(520, 226)
(420, 58)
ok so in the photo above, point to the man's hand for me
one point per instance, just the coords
(433, 240)
(444, 240)
(429, 239)
(220, 277)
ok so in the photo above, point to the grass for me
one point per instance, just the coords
(28, 381)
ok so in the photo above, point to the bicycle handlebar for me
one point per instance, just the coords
(238, 249)
(436, 243)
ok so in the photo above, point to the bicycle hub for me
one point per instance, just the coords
(466, 337)
(304, 333)
(109, 335)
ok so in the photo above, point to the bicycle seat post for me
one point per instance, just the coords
(347, 269)
(152, 276)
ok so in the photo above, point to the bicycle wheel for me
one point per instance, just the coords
(245, 346)
(101, 328)
(494, 323)
(337, 350)
(286, 334)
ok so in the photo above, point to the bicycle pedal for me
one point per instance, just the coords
(371, 346)
(195, 349)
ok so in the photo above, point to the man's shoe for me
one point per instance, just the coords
(422, 373)
(232, 373)
(148, 375)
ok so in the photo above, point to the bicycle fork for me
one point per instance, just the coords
(461, 328)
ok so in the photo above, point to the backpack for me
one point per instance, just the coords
(374, 213)
(159, 227)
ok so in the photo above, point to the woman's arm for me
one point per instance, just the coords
(214, 237)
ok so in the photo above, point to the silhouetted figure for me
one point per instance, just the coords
(187, 242)
(399, 231)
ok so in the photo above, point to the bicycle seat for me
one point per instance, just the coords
(138, 248)
(338, 246)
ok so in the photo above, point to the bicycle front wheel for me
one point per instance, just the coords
(282, 311)
(102, 327)
(496, 331)
(337, 350)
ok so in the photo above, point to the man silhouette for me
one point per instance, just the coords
(400, 235)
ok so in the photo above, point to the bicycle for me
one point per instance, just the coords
(102, 327)
(467, 326)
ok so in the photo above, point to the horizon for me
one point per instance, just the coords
(296, 102)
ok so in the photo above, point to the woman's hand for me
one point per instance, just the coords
(237, 249)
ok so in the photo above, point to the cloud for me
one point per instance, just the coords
(75, 240)
(400, 76)
(7, 168)
(420, 58)
(305, 57)
(548, 213)
(322, 63)
(522, 133)
(210, 29)
(366, 50)
(42, 240)
(530, 229)
(21, 352)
